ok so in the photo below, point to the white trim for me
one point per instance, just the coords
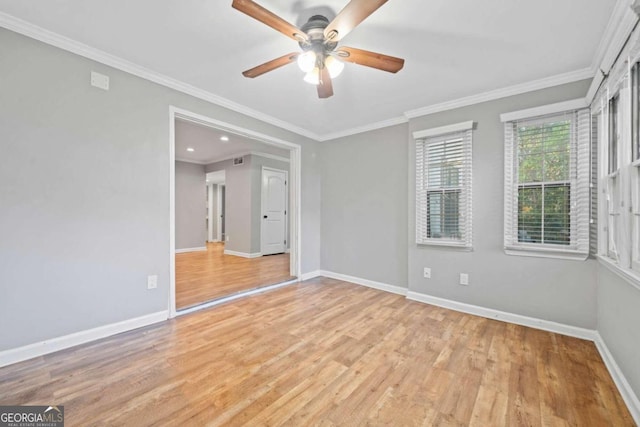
(242, 154)
(443, 130)
(365, 282)
(219, 213)
(365, 128)
(270, 156)
(215, 241)
(546, 253)
(310, 275)
(559, 107)
(618, 28)
(570, 77)
(195, 162)
(172, 214)
(532, 322)
(630, 276)
(185, 250)
(295, 176)
(49, 37)
(243, 254)
(629, 397)
(15, 355)
(234, 297)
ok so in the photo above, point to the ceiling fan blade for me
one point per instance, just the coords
(271, 65)
(353, 13)
(370, 59)
(325, 87)
(258, 12)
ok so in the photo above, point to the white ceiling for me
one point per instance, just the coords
(208, 147)
(453, 49)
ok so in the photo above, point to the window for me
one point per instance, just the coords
(547, 177)
(635, 167)
(620, 174)
(443, 185)
(611, 184)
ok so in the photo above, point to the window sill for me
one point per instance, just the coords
(632, 277)
(545, 253)
(446, 244)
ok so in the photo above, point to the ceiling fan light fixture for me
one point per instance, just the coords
(334, 66)
(307, 60)
(313, 76)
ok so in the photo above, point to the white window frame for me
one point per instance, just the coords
(634, 168)
(580, 181)
(459, 131)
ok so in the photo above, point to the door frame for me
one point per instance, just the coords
(294, 193)
(286, 203)
(219, 213)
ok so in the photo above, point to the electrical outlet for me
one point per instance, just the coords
(464, 279)
(152, 282)
(226, 238)
(426, 273)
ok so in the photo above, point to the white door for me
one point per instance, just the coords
(274, 208)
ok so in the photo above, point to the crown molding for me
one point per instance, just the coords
(270, 156)
(621, 23)
(195, 162)
(233, 156)
(614, 33)
(25, 28)
(366, 128)
(518, 89)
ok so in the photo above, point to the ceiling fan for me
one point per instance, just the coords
(321, 58)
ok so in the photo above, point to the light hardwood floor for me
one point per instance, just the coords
(207, 275)
(325, 353)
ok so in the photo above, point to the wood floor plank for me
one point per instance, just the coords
(325, 353)
(203, 276)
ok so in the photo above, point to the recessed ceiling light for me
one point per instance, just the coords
(224, 138)
(191, 150)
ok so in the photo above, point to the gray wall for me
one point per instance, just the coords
(619, 321)
(364, 205)
(549, 289)
(368, 205)
(191, 209)
(243, 198)
(84, 192)
(238, 203)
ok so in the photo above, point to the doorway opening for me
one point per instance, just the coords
(234, 211)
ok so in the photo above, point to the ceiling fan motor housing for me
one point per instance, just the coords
(314, 29)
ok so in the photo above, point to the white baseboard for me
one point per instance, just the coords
(15, 355)
(629, 397)
(532, 322)
(365, 282)
(214, 241)
(185, 250)
(310, 275)
(243, 254)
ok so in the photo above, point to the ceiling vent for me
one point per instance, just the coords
(238, 161)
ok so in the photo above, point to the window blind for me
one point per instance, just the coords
(443, 189)
(547, 180)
